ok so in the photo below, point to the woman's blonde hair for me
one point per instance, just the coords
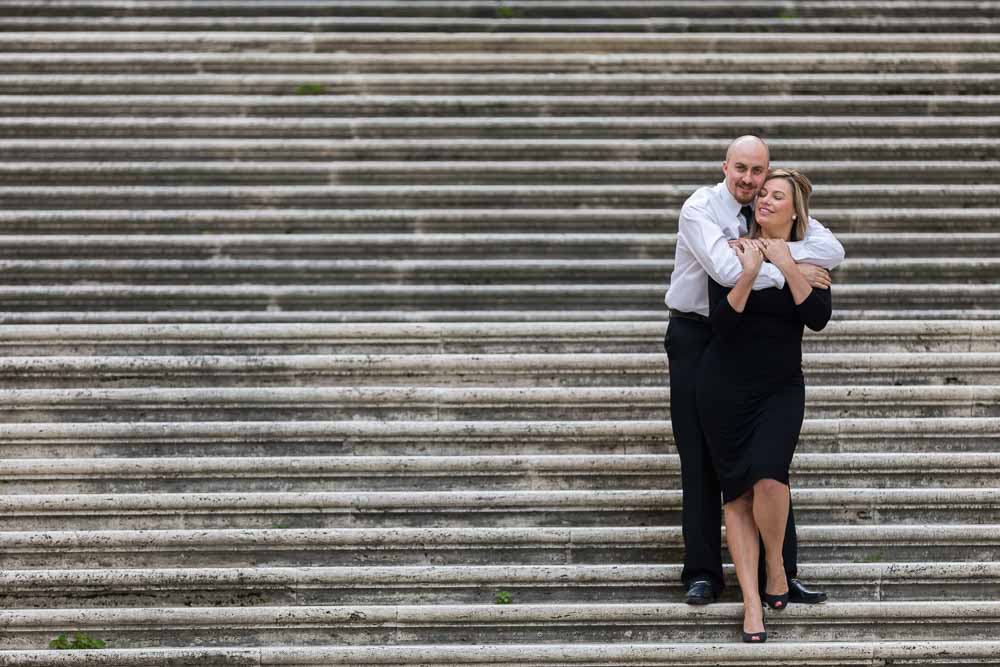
(801, 189)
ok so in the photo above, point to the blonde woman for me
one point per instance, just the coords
(750, 390)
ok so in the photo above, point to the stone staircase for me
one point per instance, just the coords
(326, 323)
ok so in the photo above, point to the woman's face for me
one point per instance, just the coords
(775, 205)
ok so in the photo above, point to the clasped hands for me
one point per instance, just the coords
(751, 253)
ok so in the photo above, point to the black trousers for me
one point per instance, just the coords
(701, 513)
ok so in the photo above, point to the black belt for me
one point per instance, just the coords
(688, 316)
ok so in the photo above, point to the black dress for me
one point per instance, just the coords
(750, 392)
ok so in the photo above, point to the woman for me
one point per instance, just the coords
(751, 396)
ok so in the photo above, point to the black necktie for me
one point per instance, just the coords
(747, 212)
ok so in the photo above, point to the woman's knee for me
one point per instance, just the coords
(769, 488)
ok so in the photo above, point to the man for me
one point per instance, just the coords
(709, 220)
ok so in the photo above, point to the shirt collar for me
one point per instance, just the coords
(729, 202)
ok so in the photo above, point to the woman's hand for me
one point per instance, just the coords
(777, 253)
(750, 257)
(735, 243)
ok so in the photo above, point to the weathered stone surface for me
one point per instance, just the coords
(325, 321)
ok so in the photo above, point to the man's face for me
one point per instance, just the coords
(745, 169)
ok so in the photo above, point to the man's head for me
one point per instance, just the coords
(747, 160)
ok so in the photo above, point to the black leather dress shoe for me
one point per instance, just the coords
(701, 592)
(797, 592)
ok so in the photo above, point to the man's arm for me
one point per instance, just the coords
(710, 248)
(820, 247)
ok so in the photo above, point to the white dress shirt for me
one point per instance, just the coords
(709, 219)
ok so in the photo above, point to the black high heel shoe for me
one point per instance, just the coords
(775, 602)
(754, 637)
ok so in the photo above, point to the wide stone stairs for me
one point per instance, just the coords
(328, 325)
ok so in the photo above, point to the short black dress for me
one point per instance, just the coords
(750, 391)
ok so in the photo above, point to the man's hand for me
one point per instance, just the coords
(816, 276)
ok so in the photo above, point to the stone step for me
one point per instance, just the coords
(373, 303)
(457, 509)
(97, 440)
(840, 653)
(546, 472)
(285, 547)
(460, 624)
(940, 512)
(844, 336)
(468, 273)
(907, 150)
(445, 585)
(467, 172)
(852, 654)
(415, 222)
(597, 42)
(506, 20)
(89, 404)
(438, 246)
(495, 84)
(186, 125)
(486, 107)
(619, 195)
(300, 63)
(730, 654)
(486, 370)
(588, 9)
(181, 316)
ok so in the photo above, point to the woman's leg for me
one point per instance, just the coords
(770, 514)
(741, 536)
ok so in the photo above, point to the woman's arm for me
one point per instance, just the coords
(721, 316)
(814, 305)
(751, 259)
(777, 251)
(725, 313)
(815, 311)
(737, 297)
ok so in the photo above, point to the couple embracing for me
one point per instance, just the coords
(750, 272)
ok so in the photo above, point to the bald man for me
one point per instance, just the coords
(709, 220)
